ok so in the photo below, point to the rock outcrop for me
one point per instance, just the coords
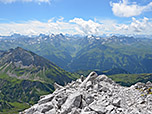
(97, 94)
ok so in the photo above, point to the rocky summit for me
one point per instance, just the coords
(95, 94)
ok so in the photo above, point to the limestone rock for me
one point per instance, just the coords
(91, 77)
(57, 86)
(46, 99)
(95, 95)
(74, 100)
(98, 108)
(116, 102)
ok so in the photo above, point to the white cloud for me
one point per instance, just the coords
(36, 27)
(87, 27)
(78, 26)
(37, 1)
(141, 26)
(127, 9)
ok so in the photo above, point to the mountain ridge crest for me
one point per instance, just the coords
(95, 94)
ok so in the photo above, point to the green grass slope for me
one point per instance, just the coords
(121, 76)
(130, 79)
(135, 58)
(17, 94)
(24, 77)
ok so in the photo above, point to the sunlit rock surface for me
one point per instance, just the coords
(95, 94)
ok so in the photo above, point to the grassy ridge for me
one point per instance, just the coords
(25, 76)
(15, 107)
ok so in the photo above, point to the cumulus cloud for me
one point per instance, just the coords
(87, 27)
(127, 9)
(141, 26)
(36, 27)
(37, 1)
(78, 26)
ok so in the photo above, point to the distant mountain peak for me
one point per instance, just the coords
(72, 53)
(18, 49)
(20, 63)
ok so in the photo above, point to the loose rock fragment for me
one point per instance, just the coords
(95, 95)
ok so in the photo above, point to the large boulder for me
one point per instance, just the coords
(73, 101)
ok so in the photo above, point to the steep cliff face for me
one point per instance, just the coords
(96, 94)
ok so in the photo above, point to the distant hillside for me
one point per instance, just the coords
(17, 95)
(130, 79)
(112, 71)
(121, 76)
(75, 53)
(23, 64)
(133, 55)
(24, 77)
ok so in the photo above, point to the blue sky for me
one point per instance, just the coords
(32, 17)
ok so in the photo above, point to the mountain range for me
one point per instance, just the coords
(24, 77)
(73, 53)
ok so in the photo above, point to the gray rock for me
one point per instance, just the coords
(149, 84)
(83, 103)
(89, 99)
(74, 100)
(46, 99)
(86, 109)
(61, 101)
(104, 102)
(139, 85)
(75, 111)
(141, 100)
(109, 80)
(52, 111)
(96, 87)
(46, 108)
(89, 85)
(101, 78)
(91, 77)
(30, 111)
(149, 100)
(113, 112)
(37, 112)
(79, 81)
(82, 78)
(110, 108)
(116, 102)
(90, 112)
(95, 95)
(104, 89)
(98, 108)
(57, 86)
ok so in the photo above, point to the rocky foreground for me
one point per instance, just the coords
(96, 94)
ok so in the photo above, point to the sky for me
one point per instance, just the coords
(85, 17)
